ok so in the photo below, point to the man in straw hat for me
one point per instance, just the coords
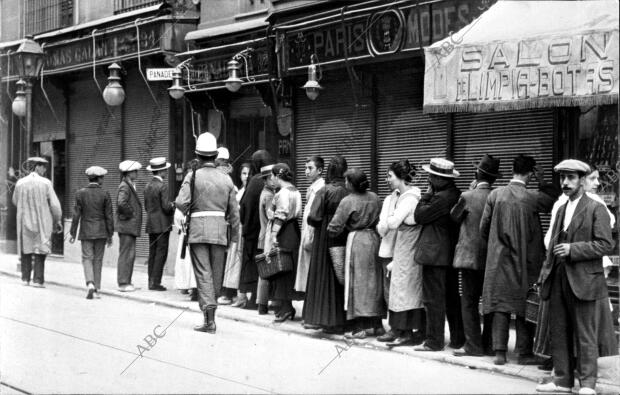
(515, 252)
(38, 214)
(470, 256)
(435, 250)
(93, 214)
(212, 205)
(572, 280)
(128, 223)
(159, 210)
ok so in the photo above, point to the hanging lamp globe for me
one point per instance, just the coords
(176, 91)
(114, 94)
(233, 82)
(312, 86)
(19, 103)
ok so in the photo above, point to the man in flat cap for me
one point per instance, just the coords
(93, 213)
(573, 282)
(38, 214)
(511, 226)
(159, 210)
(209, 197)
(128, 223)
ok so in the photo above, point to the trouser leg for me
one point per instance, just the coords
(26, 263)
(88, 255)
(586, 324)
(434, 292)
(561, 331)
(501, 326)
(99, 249)
(453, 309)
(126, 257)
(161, 255)
(471, 287)
(208, 262)
(525, 336)
(39, 268)
(152, 256)
(218, 263)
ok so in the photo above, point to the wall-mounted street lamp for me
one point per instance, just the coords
(234, 81)
(176, 91)
(20, 101)
(114, 94)
(312, 86)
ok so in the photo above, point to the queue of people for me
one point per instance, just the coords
(419, 259)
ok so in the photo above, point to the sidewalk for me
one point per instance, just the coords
(70, 274)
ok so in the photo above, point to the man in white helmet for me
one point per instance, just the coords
(210, 198)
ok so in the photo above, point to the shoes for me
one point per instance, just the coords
(96, 295)
(425, 347)
(456, 345)
(38, 285)
(289, 315)
(91, 291)
(333, 330)
(552, 387)
(375, 332)
(157, 287)
(209, 321)
(418, 338)
(356, 334)
(500, 358)
(184, 291)
(127, 288)
(241, 302)
(311, 326)
(586, 391)
(388, 336)
(401, 341)
(529, 359)
(224, 300)
(463, 352)
(193, 295)
(546, 365)
(25, 283)
(263, 309)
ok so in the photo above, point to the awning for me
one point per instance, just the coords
(231, 28)
(527, 54)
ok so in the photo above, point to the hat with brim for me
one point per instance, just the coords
(96, 171)
(222, 153)
(157, 164)
(37, 159)
(265, 171)
(442, 168)
(489, 166)
(129, 165)
(572, 165)
(206, 145)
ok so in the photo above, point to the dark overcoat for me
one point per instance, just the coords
(159, 208)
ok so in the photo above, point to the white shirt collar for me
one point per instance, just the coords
(517, 181)
(317, 184)
(571, 205)
(159, 178)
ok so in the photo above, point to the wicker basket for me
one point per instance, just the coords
(532, 303)
(278, 260)
(338, 257)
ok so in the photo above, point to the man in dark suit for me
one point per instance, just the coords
(470, 257)
(93, 214)
(435, 250)
(128, 223)
(572, 280)
(159, 210)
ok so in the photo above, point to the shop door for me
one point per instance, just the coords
(54, 152)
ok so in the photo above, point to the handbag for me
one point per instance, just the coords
(532, 303)
(278, 260)
(338, 255)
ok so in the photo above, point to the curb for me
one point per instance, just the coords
(226, 313)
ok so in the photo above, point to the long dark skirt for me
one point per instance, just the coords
(282, 285)
(249, 272)
(324, 302)
(406, 320)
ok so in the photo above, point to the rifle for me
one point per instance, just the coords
(188, 214)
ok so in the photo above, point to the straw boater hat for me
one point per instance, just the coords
(573, 165)
(489, 165)
(157, 164)
(37, 159)
(129, 165)
(96, 171)
(206, 145)
(265, 171)
(442, 168)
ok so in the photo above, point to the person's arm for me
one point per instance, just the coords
(281, 210)
(233, 216)
(602, 242)
(122, 201)
(183, 198)
(430, 208)
(315, 216)
(109, 218)
(340, 219)
(459, 211)
(167, 206)
(77, 214)
(55, 208)
(382, 226)
(402, 211)
(485, 220)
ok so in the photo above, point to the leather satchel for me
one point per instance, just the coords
(278, 260)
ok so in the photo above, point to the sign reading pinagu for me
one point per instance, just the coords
(580, 69)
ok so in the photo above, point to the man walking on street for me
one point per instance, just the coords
(209, 197)
(159, 210)
(93, 213)
(470, 256)
(435, 251)
(38, 214)
(128, 223)
(515, 251)
(572, 280)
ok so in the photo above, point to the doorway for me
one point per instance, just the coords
(54, 152)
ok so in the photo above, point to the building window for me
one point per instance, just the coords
(45, 15)
(121, 6)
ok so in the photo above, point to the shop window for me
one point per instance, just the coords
(121, 6)
(45, 15)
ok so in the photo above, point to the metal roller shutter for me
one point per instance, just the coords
(94, 139)
(403, 131)
(146, 134)
(331, 125)
(503, 135)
